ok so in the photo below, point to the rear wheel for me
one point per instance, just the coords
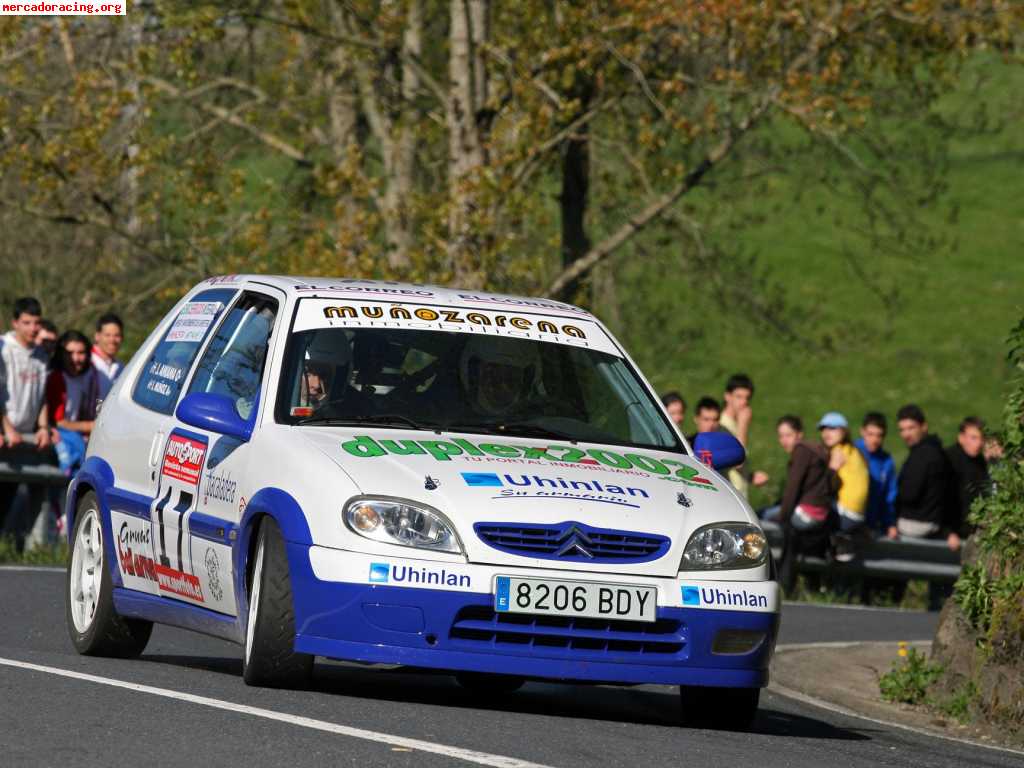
(94, 626)
(731, 709)
(483, 683)
(270, 660)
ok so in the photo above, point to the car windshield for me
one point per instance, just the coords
(465, 382)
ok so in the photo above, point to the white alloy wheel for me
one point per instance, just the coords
(254, 600)
(86, 571)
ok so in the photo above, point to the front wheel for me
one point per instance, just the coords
(270, 660)
(95, 627)
(730, 709)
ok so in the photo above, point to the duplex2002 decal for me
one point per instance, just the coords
(366, 446)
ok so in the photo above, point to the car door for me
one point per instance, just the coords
(135, 423)
(201, 487)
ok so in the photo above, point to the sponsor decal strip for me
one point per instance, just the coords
(366, 446)
(354, 313)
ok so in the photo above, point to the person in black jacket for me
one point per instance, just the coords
(970, 470)
(925, 495)
(925, 507)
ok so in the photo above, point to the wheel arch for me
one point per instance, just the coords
(291, 520)
(95, 475)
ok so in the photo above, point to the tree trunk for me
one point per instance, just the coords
(573, 199)
(467, 153)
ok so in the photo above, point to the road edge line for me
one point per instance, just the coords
(459, 753)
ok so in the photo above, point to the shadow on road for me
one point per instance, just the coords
(642, 706)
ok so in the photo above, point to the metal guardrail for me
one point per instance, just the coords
(899, 559)
(27, 464)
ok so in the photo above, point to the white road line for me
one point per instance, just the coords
(469, 755)
(33, 568)
(814, 701)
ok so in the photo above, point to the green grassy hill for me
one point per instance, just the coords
(941, 341)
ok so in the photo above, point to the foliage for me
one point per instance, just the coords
(958, 704)
(51, 554)
(908, 681)
(977, 593)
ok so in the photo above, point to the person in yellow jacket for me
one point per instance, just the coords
(849, 464)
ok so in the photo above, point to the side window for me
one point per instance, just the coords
(160, 383)
(233, 363)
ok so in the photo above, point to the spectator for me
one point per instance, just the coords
(806, 498)
(735, 417)
(970, 470)
(846, 460)
(925, 505)
(107, 343)
(22, 401)
(706, 416)
(676, 407)
(47, 337)
(73, 386)
(881, 511)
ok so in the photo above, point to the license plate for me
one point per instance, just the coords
(625, 602)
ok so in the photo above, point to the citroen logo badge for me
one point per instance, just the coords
(575, 542)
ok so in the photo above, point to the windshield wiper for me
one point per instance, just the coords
(519, 429)
(380, 419)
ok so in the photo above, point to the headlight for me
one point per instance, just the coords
(722, 546)
(397, 521)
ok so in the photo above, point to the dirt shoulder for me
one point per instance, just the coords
(846, 675)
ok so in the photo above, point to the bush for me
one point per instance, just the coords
(908, 682)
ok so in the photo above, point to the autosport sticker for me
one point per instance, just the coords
(366, 446)
(522, 486)
(334, 313)
(183, 459)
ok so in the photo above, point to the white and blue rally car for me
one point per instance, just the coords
(407, 474)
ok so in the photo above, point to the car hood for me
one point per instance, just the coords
(508, 481)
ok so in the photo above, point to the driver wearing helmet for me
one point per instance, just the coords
(326, 368)
(499, 375)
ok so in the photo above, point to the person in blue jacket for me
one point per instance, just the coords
(880, 516)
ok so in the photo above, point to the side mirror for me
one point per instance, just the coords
(215, 413)
(719, 449)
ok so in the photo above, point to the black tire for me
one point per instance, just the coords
(485, 684)
(269, 659)
(100, 631)
(731, 709)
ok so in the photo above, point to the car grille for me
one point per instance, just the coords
(483, 627)
(573, 542)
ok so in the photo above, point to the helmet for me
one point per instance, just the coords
(327, 363)
(498, 374)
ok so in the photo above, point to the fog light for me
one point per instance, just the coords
(731, 642)
(365, 518)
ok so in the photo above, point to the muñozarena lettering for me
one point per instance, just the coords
(365, 446)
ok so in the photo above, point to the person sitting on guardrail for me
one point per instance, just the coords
(22, 405)
(735, 418)
(72, 390)
(926, 496)
(675, 405)
(107, 343)
(706, 417)
(852, 500)
(880, 516)
(970, 470)
(807, 497)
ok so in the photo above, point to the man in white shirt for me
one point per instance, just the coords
(22, 403)
(106, 344)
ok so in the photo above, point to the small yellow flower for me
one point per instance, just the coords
(902, 652)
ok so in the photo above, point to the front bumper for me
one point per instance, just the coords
(454, 627)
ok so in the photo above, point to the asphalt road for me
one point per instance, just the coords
(198, 717)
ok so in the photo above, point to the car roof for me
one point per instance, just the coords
(356, 288)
